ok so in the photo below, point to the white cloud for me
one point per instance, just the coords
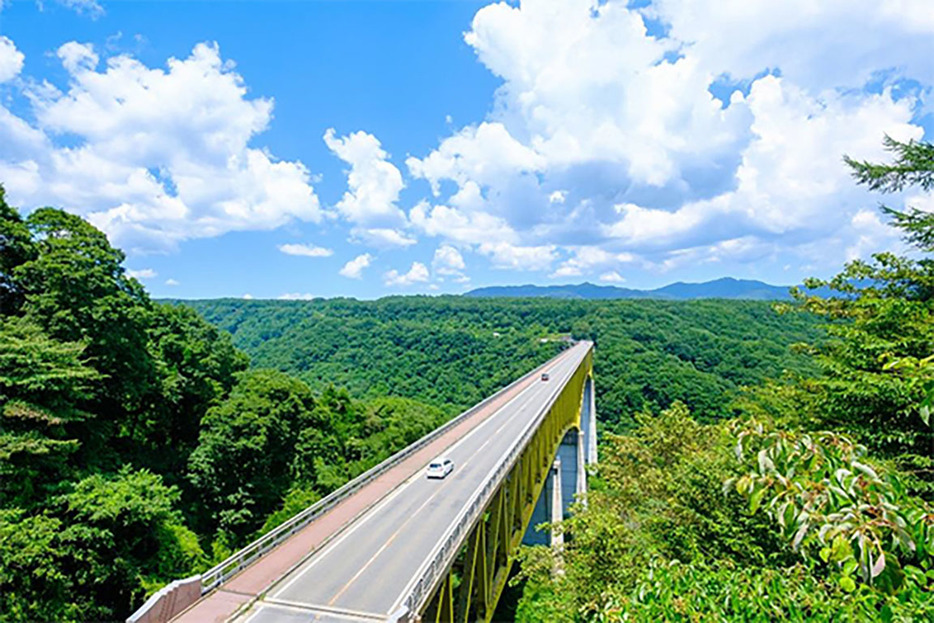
(418, 273)
(382, 238)
(682, 148)
(612, 277)
(872, 234)
(558, 196)
(448, 261)
(815, 43)
(247, 297)
(565, 271)
(91, 8)
(156, 156)
(306, 250)
(479, 154)
(588, 258)
(297, 296)
(373, 183)
(11, 60)
(459, 225)
(171, 282)
(142, 273)
(505, 255)
(78, 57)
(355, 267)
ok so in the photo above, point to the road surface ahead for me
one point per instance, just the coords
(365, 571)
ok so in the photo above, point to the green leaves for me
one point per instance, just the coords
(94, 551)
(824, 494)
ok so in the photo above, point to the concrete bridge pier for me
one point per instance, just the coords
(566, 482)
(548, 509)
(589, 422)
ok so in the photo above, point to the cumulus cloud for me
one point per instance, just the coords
(814, 43)
(296, 296)
(373, 183)
(645, 133)
(11, 60)
(142, 273)
(382, 237)
(508, 256)
(586, 259)
(355, 267)
(155, 156)
(306, 250)
(448, 261)
(171, 282)
(91, 8)
(460, 225)
(612, 277)
(418, 273)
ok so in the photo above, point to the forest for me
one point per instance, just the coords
(758, 461)
(813, 502)
(137, 445)
(452, 352)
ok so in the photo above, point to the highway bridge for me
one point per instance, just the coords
(393, 545)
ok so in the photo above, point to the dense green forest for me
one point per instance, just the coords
(136, 446)
(740, 477)
(812, 503)
(452, 351)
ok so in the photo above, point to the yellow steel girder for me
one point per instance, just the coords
(472, 586)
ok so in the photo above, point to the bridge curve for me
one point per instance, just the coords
(391, 550)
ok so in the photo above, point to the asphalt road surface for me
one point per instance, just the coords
(363, 573)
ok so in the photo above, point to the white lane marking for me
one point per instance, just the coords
(415, 513)
(318, 556)
(565, 379)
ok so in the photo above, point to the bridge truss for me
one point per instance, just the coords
(471, 585)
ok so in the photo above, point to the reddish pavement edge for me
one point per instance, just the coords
(251, 583)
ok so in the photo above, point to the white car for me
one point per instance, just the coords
(441, 467)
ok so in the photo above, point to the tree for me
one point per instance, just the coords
(656, 496)
(242, 467)
(96, 551)
(877, 378)
(16, 248)
(196, 367)
(75, 287)
(43, 385)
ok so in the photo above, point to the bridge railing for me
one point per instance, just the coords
(219, 574)
(431, 573)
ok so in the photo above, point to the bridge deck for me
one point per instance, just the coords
(364, 573)
(284, 560)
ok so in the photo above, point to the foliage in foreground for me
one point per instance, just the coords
(662, 537)
(132, 438)
(835, 472)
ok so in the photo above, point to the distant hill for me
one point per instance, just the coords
(725, 288)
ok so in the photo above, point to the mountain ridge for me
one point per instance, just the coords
(723, 288)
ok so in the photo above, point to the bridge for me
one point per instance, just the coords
(392, 545)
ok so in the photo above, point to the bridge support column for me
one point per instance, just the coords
(548, 509)
(572, 473)
(589, 422)
(557, 503)
(581, 485)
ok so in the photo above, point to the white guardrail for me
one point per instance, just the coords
(219, 574)
(429, 575)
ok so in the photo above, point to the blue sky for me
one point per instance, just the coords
(372, 148)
